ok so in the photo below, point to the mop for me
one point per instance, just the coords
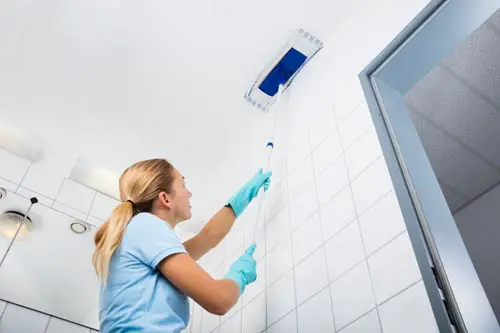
(273, 81)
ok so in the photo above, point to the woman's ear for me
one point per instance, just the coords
(165, 199)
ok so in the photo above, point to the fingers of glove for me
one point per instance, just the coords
(251, 250)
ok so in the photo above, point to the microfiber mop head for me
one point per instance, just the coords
(281, 72)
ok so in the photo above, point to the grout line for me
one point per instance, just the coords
(357, 221)
(400, 292)
(4, 309)
(356, 319)
(91, 206)
(362, 100)
(58, 191)
(291, 248)
(24, 177)
(48, 323)
(322, 239)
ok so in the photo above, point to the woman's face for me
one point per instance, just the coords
(180, 198)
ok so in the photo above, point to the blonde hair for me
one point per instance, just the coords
(140, 185)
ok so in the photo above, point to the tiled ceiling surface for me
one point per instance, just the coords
(456, 111)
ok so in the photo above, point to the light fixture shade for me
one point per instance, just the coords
(10, 222)
(96, 177)
(20, 143)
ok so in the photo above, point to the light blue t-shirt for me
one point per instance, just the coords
(137, 298)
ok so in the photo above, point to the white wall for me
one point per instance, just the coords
(479, 225)
(334, 253)
(15, 319)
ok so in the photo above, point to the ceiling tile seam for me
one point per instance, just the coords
(451, 188)
(455, 138)
(465, 205)
(476, 91)
(493, 27)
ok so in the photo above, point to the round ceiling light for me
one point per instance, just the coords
(11, 221)
(78, 227)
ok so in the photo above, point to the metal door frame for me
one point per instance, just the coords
(457, 296)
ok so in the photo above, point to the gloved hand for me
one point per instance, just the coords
(243, 270)
(249, 191)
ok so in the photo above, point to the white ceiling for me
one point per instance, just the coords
(119, 80)
(456, 110)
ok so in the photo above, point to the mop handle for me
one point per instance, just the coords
(269, 147)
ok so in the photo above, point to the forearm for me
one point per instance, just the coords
(219, 226)
(211, 234)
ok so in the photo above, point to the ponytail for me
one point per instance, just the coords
(140, 185)
(108, 238)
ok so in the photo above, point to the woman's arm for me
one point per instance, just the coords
(219, 225)
(211, 234)
(215, 296)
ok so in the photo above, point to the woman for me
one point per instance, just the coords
(146, 272)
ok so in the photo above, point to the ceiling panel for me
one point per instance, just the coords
(457, 110)
(452, 163)
(476, 61)
(454, 199)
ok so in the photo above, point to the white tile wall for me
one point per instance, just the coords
(337, 213)
(278, 229)
(300, 177)
(17, 319)
(333, 179)
(355, 125)
(352, 295)
(367, 324)
(344, 251)
(381, 223)
(315, 315)
(327, 152)
(209, 322)
(311, 275)
(306, 238)
(371, 185)
(12, 167)
(254, 315)
(362, 153)
(280, 298)
(303, 206)
(393, 268)
(276, 199)
(285, 325)
(279, 261)
(233, 325)
(60, 326)
(409, 312)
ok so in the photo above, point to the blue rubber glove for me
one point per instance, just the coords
(243, 271)
(249, 191)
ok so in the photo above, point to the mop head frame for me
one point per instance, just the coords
(279, 74)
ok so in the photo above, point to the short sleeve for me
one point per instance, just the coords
(151, 239)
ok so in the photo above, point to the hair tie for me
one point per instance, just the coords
(131, 202)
